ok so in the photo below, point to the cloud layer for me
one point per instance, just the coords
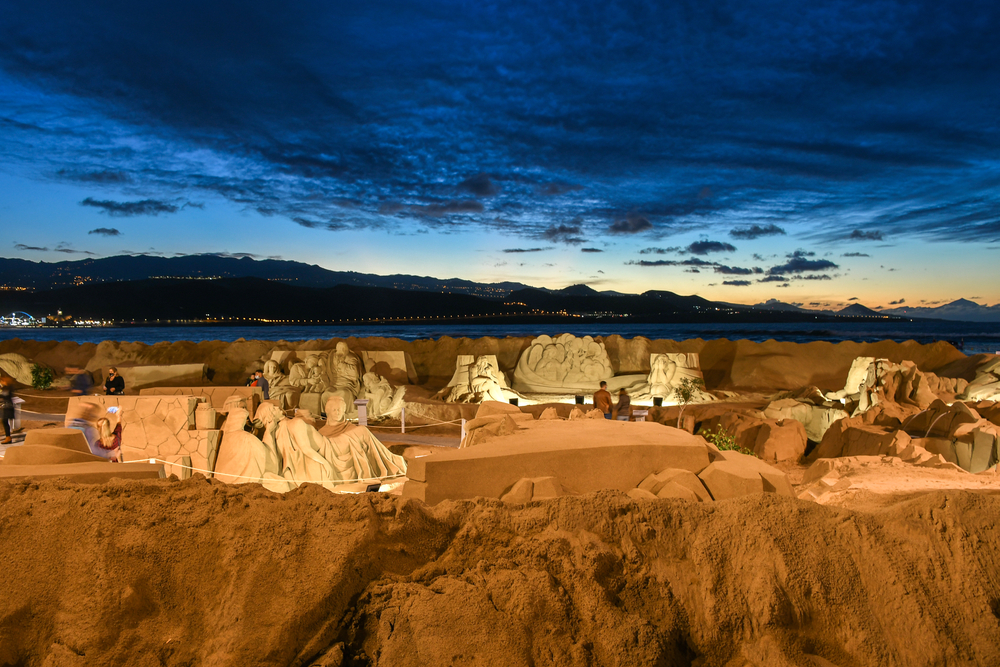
(566, 122)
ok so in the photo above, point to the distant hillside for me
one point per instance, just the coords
(253, 298)
(50, 275)
(257, 299)
(857, 310)
(961, 310)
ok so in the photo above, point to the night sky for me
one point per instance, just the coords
(812, 152)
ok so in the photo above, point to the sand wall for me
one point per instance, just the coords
(196, 572)
(740, 364)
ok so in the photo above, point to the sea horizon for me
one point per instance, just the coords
(970, 337)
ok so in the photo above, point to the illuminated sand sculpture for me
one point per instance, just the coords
(885, 407)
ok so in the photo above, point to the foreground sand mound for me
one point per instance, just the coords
(200, 573)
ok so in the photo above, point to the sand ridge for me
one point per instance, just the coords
(197, 572)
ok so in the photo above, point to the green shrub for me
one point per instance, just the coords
(41, 376)
(724, 441)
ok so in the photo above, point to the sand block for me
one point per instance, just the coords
(311, 402)
(583, 456)
(549, 413)
(675, 490)
(520, 492)
(215, 396)
(656, 482)
(943, 447)
(640, 494)
(492, 408)
(547, 487)
(783, 440)
(179, 408)
(138, 377)
(729, 479)
(481, 430)
(739, 474)
(46, 455)
(67, 438)
(396, 367)
(96, 472)
(177, 465)
(203, 449)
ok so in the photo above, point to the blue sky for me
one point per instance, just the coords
(812, 152)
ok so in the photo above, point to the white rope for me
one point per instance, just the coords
(435, 423)
(263, 479)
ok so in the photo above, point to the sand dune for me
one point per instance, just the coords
(196, 572)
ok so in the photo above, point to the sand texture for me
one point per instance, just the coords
(200, 573)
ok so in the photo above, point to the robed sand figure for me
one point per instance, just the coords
(354, 452)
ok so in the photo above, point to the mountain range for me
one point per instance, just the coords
(961, 310)
(140, 287)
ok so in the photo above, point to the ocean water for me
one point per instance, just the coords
(972, 337)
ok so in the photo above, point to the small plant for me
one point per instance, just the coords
(41, 376)
(725, 442)
(684, 392)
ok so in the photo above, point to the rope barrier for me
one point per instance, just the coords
(435, 423)
(263, 479)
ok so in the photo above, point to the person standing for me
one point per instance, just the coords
(602, 400)
(623, 411)
(80, 384)
(261, 381)
(7, 408)
(115, 384)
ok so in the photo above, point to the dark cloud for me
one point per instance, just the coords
(556, 189)
(564, 234)
(854, 298)
(814, 276)
(632, 224)
(131, 208)
(449, 207)
(652, 262)
(105, 231)
(480, 185)
(514, 250)
(897, 303)
(801, 265)
(756, 231)
(855, 254)
(33, 248)
(591, 250)
(736, 283)
(706, 247)
(108, 176)
(859, 235)
(733, 270)
(773, 279)
(659, 251)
